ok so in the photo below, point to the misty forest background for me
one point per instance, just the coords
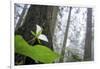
(70, 30)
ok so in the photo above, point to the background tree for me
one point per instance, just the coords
(65, 36)
(88, 39)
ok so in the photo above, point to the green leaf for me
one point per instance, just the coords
(44, 54)
(76, 57)
(33, 33)
(38, 52)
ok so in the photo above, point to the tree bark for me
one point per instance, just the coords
(88, 39)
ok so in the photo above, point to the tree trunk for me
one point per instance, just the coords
(22, 17)
(65, 36)
(88, 39)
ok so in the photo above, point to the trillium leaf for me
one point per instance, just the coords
(43, 37)
(44, 54)
(37, 52)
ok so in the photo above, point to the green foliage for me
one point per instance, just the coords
(76, 58)
(37, 52)
(72, 57)
(33, 33)
(36, 36)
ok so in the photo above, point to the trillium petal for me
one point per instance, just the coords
(43, 37)
(38, 29)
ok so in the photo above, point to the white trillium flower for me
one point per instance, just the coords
(41, 36)
(38, 29)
